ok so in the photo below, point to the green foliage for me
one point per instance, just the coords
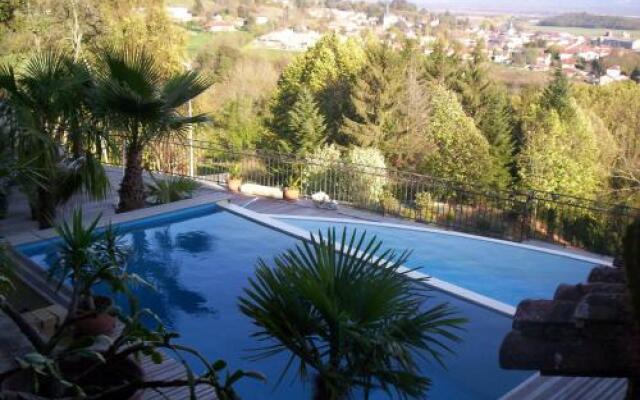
(560, 152)
(235, 171)
(495, 120)
(374, 98)
(366, 177)
(327, 70)
(170, 189)
(322, 169)
(142, 106)
(424, 206)
(348, 288)
(87, 258)
(556, 95)
(442, 67)
(241, 128)
(616, 105)
(461, 152)
(389, 203)
(49, 97)
(306, 124)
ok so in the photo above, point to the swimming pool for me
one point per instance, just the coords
(500, 270)
(201, 258)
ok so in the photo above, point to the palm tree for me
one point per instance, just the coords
(350, 312)
(143, 107)
(48, 99)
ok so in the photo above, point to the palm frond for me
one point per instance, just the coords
(184, 87)
(346, 307)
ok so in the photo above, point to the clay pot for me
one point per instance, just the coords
(291, 194)
(102, 323)
(234, 184)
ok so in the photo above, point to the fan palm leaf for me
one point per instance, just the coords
(143, 106)
(48, 96)
(348, 310)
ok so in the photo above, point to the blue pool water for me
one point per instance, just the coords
(200, 260)
(500, 271)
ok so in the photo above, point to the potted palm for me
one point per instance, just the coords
(235, 177)
(348, 311)
(291, 190)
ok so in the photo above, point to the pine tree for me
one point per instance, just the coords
(460, 151)
(495, 121)
(374, 98)
(327, 70)
(442, 66)
(474, 81)
(407, 148)
(306, 124)
(557, 95)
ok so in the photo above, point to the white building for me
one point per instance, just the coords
(288, 39)
(221, 26)
(261, 20)
(179, 14)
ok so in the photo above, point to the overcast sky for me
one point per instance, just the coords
(610, 7)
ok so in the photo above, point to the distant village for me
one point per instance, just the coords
(505, 42)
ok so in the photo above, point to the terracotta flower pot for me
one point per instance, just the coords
(102, 323)
(234, 184)
(291, 194)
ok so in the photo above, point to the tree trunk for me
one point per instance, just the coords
(46, 208)
(322, 390)
(132, 186)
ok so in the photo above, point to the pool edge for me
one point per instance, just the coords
(560, 253)
(449, 288)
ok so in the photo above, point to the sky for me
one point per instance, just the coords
(608, 7)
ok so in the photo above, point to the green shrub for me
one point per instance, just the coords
(389, 204)
(424, 206)
(322, 171)
(366, 177)
(170, 189)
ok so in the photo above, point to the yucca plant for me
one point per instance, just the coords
(170, 189)
(142, 105)
(348, 311)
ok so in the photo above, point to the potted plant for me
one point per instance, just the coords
(291, 190)
(235, 177)
(97, 367)
(87, 258)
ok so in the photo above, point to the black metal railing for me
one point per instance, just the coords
(512, 215)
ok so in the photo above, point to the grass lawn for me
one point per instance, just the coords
(517, 78)
(241, 40)
(197, 40)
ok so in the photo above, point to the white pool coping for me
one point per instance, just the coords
(454, 290)
(593, 260)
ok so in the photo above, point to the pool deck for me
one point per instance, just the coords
(18, 228)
